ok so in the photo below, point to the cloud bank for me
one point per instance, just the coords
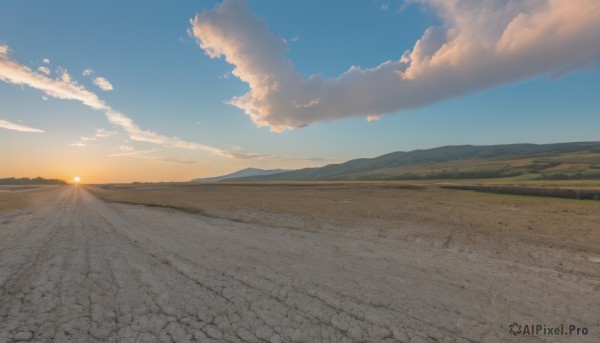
(17, 127)
(480, 44)
(65, 88)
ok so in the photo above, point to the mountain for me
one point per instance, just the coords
(248, 172)
(561, 160)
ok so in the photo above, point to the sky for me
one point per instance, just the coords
(123, 91)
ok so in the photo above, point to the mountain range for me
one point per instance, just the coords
(248, 172)
(578, 160)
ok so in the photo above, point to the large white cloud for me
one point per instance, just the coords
(13, 72)
(479, 44)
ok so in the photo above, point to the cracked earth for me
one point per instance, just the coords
(78, 269)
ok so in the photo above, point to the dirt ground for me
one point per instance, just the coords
(296, 263)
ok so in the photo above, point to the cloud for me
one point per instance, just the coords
(175, 160)
(44, 70)
(134, 153)
(126, 148)
(373, 117)
(311, 103)
(103, 84)
(128, 151)
(87, 72)
(64, 76)
(83, 141)
(478, 45)
(64, 88)
(102, 133)
(46, 61)
(17, 127)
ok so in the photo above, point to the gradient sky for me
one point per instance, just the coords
(120, 91)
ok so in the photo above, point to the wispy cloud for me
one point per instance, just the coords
(103, 83)
(5, 124)
(129, 151)
(102, 133)
(87, 72)
(15, 73)
(478, 45)
(44, 70)
(83, 141)
(99, 134)
(133, 153)
(175, 160)
(65, 76)
(126, 148)
(46, 61)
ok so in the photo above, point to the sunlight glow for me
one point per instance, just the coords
(76, 179)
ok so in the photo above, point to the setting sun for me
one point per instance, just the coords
(76, 179)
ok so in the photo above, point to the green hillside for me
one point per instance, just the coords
(561, 161)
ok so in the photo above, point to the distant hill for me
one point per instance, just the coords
(580, 160)
(28, 181)
(248, 172)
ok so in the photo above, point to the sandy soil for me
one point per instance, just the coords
(83, 270)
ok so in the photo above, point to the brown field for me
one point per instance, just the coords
(15, 197)
(299, 262)
(393, 208)
(509, 251)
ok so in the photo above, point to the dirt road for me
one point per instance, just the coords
(78, 269)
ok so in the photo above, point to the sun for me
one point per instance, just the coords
(76, 179)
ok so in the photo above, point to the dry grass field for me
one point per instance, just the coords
(396, 209)
(519, 258)
(15, 197)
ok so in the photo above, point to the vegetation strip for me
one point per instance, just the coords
(582, 194)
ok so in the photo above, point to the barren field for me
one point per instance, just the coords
(296, 263)
(15, 197)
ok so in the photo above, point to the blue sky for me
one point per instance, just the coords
(165, 82)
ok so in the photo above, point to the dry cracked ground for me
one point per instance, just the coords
(78, 269)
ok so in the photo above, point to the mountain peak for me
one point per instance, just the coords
(247, 172)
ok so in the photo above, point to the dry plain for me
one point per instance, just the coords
(294, 263)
